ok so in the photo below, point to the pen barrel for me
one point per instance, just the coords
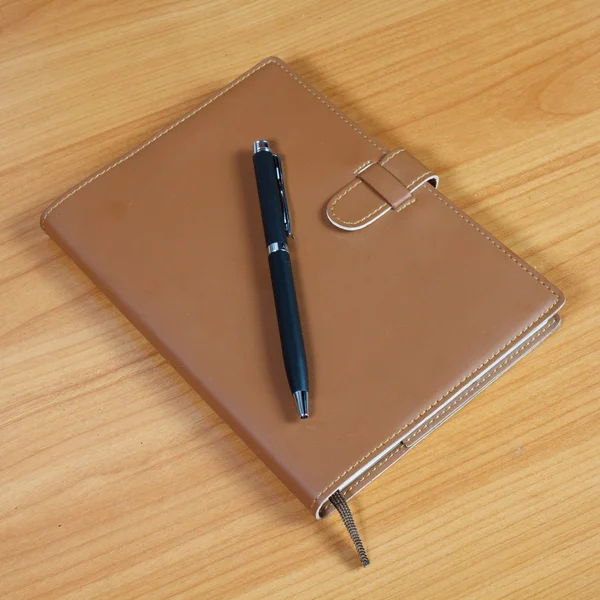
(288, 319)
(269, 197)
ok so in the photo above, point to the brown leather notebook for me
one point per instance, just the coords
(409, 307)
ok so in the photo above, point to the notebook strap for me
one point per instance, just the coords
(339, 502)
(379, 186)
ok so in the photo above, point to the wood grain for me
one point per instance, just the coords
(117, 481)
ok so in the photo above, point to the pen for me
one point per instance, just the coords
(277, 227)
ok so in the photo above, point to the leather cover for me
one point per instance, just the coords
(409, 307)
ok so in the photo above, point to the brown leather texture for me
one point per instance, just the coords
(398, 317)
(430, 422)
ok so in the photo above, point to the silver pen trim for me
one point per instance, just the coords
(277, 247)
(261, 146)
(301, 398)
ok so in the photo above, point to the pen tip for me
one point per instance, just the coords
(301, 398)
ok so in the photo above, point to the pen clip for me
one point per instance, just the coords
(284, 203)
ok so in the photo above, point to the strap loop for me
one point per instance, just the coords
(383, 185)
(391, 189)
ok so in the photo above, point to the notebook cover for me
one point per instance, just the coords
(398, 316)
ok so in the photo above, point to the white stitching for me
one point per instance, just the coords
(390, 156)
(422, 176)
(395, 434)
(361, 167)
(191, 114)
(332, 108)
(326, 103)
(487, 237)
(341, 195)
(357, 482)
(384, 205)
(478, 384)
(444, 411)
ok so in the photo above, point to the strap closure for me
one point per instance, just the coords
(382, 181)
(378, 188)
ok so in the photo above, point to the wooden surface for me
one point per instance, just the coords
(116, 481)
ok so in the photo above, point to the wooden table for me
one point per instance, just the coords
(117, 481)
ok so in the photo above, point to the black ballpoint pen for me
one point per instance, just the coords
(277, 227)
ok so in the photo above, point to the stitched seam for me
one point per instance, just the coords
(377, 466)
(360, 167)
(332, 108)
(379, 208)
(390, 156)
(478, 384)
(423, 175)
(485, 235)
(397, 433)
(191, 114)
(405, 205)
(341, 195)
(445, 410)
(348, 189)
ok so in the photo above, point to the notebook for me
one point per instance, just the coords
(409, 307)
